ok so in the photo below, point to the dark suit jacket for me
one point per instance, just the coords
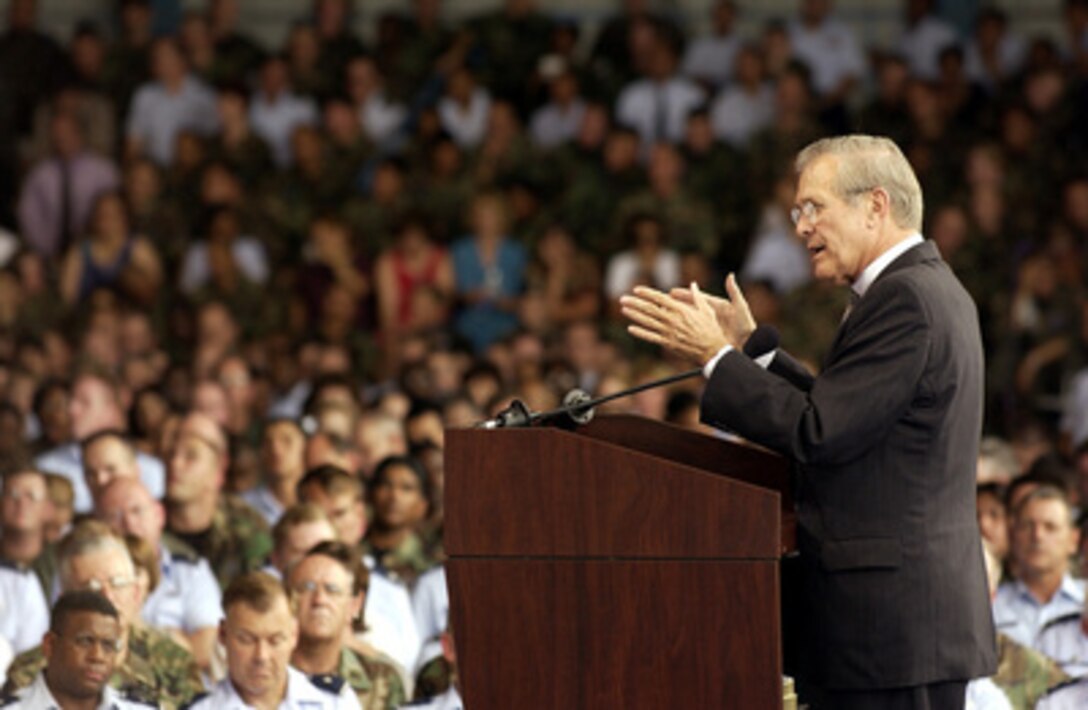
(886, 438)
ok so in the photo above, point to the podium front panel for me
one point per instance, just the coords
(599, 635)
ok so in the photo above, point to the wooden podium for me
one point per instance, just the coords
(629, 564)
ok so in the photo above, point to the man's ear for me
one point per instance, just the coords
(880, 203)
(49, 641)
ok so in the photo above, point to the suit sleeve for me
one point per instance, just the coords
(866, 388)
(785, 366)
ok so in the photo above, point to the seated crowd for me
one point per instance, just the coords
(245, 290)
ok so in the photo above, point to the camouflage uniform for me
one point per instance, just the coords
(372, 223)
(688, 220)
(1025, 675)
(591, 200)
(376, 683)
(251, 160)
(510, 48)
(719, 177)
(238, 540)
(434, 678)
(171, 679)
(405, 562)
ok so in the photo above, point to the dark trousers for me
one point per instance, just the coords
(950, 695)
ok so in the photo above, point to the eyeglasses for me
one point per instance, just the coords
(85, 642)
(115, 584)
(32, 496)
(808, 209)
(330, 588)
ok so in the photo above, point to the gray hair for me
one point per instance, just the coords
(87, 537)
(868, 162)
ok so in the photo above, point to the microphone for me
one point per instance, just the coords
(763, 340)
(515, 415)
(578, 407)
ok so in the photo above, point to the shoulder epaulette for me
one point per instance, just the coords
(184, 556)
(328, 682)
(9, 699)
(132, 697)
(1072, 617)
(418, 703)
(1062, 686)
(194, 700)
(8, 564)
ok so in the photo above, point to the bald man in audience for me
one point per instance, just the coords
(186, 600)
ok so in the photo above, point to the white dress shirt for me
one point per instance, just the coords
(1066, 697)
(264, 502)
(553, 125)
(831, 52)
(302, 694)
(922, 44)
(1064, 640)
(711, 58)
(381, 118)
(275, 119)
(1021, 617)
(658, 111)
(391, 626)
(466, 124)
(24, 612)
(737, 113)
(187, 596)
(157, 116)
(36, 696)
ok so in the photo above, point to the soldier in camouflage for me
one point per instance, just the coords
(222, 528)
(150, 666)
(329, 585)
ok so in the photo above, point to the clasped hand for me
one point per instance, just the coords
(688, 322)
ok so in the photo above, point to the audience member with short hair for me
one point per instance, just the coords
(259, 631)
(330, 586)
(151, 666)
(1043, 540)
(185, 598)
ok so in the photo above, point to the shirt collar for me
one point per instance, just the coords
(39, 696)
(1068, 589)
(873, 270)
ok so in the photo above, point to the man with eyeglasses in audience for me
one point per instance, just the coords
(391, 625)
(329, 585)
(81, 650)
(150, 666)
(187, 596)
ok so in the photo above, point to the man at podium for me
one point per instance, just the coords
(885, 438)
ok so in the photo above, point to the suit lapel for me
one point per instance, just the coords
(926, 251)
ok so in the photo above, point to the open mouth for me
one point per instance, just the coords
(814, 250)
